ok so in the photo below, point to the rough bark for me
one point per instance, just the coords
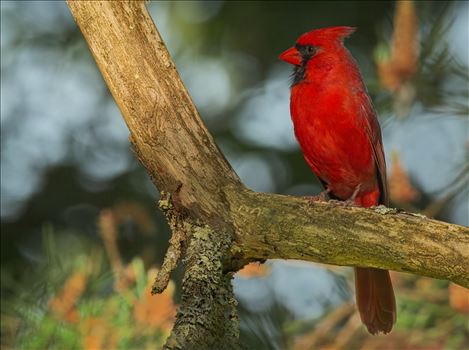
(168, 134)
(225, 224)
(269, 226)
(207, 317)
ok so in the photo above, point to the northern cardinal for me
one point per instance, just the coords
(340, 137)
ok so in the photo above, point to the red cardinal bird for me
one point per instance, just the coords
(339, 134)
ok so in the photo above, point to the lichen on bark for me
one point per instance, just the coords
(207, 317)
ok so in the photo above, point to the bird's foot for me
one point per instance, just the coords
(321, 197)
(346, 203)
(349, 202)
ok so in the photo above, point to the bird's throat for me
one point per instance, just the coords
(299, 73)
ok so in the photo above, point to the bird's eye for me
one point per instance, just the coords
(309, 50)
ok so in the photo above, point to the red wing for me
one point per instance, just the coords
(370, 119)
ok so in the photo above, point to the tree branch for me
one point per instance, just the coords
(180, 155)
(270, 226)
(168, 134)
(182, 159)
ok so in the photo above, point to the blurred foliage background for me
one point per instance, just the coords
(81, 237)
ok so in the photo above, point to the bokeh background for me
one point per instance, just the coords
(81, 236)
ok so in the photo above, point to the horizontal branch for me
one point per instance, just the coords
(270, 226)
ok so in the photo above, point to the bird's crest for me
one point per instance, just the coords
(326, 36)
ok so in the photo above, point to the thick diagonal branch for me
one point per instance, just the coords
(169, 136)
(179, 154)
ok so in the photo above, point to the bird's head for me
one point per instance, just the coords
(311, 44)
(316, 40)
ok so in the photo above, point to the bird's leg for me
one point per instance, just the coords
(349, 202)
(321, 197)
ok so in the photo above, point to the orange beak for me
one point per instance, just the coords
(292, 56)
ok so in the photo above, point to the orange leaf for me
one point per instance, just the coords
(254, 270)
(63, 304)
(156, 311)
(400, 186)
(458, 298)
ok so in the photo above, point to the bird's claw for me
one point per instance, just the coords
(321, 197)
(349, 202)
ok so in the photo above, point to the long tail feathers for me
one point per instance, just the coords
(375, 299)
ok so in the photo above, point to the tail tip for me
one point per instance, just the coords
(376, 329)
